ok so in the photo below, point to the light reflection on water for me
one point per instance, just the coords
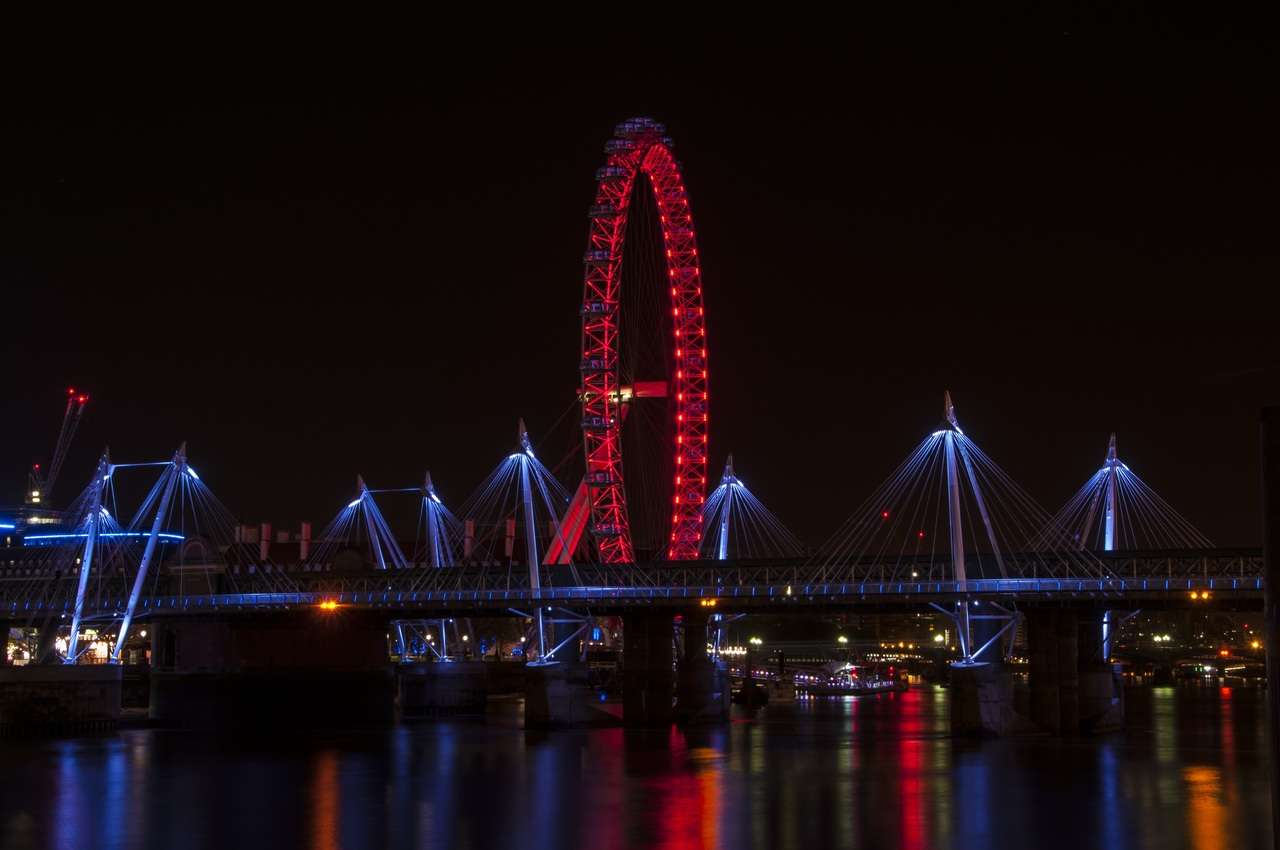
(1189, 771)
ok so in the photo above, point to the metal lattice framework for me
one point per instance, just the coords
(1232, 575)
(639, 147)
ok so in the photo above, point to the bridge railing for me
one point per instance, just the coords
(27, 593)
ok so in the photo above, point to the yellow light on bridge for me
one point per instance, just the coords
(707, 603)
(328, 605)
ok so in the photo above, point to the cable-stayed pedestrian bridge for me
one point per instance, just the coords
(1218, 578)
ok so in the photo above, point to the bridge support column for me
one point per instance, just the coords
(1053, 645)
(1101, 683)
(5, 626)
(647, 677)
(293, 668)
(46, 636)
(559, 695)
(441, 689)
(702, 688)
(59, 698)
(982, 701)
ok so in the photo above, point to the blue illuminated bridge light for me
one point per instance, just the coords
(164, 535)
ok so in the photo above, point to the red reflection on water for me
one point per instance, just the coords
(689, 799)
(603, 821)
(911, 793)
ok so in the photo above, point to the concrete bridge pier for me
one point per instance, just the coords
(1052, 641)
(59, 698)
(55, 698)
(441, 689)
(1101, 683)
(982, 701)
(982, 694)
(702, 687)
(299, 667)
(46, 636)
(647, 668)
(560, 695)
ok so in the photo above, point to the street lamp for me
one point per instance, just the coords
(755, 641)
(842, 639)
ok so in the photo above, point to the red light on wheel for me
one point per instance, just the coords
(884, 515)
(920, 534)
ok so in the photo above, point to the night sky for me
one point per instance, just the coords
(309, 273)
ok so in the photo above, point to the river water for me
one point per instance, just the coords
(1189, 771)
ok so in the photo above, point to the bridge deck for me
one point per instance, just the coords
(1234, 578)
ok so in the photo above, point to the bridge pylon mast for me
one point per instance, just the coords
(431, 503)
(176, 470)
(955, 521)
(727, 481)
(100, 476)
(523, 453)
(1109, 509)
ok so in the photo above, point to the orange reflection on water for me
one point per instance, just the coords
(325, 797)
(690, 803)
(1206, 812)
(1227, 726)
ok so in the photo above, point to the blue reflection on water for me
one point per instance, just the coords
(1189, 771)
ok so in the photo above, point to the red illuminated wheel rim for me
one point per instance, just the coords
(640, 148)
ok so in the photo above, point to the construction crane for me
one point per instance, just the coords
(40, 483)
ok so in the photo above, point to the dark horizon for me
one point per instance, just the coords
(1075, 237)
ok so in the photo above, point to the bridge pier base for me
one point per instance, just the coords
(1101, 683)
(59, 698)
(702, 687)
(560, 695)
(647, 678)
(443, 689)
(1052, 641)
(982, 701)
(46, 637)
(295, 668)
(449, 689)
